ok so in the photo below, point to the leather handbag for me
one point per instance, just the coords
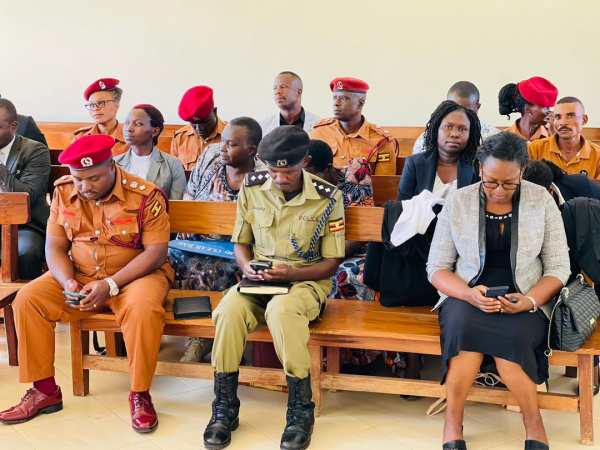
(574, 317)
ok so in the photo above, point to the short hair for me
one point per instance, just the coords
(9, 107)
(539, 173)
(252, 126)
(435, 121)
(288, 72)
(570, 100)
(464, 89)
(118, 93)
(505, 146)
(510, 101)
(156, 119)
(321, 155)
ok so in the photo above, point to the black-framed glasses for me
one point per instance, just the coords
(494, 184)
(99, 105)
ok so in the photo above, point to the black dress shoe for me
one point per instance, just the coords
(455, 445)
(225, 412)
(300, 415)
(535, 445)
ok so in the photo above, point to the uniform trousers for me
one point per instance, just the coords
(138, 310)
(287, 317)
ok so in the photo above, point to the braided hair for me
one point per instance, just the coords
(510, 101)
(156, 119)
(435, 121)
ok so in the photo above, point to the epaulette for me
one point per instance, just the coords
(137, 184)
(381, 131)
(324, 188)
(83, 130)
(321, 122)
(256, 178)
(65, 179)
(181, 130)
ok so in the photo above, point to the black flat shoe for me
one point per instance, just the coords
(535, 445)
(459, 444)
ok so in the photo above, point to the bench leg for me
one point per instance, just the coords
(333, 361)
(316, 369)
(586, 399)
(115, 345)
(11, 336)
(80, 346)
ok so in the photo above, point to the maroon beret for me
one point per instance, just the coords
(348, 84)
(196, 104)
(103, 84)
(88, 152)
(539, 91)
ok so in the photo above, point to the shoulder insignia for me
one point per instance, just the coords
(324, 189)
(381, 131)
(137, 184)
(65, 179)
(83, 130)
(256, 178)
(181, 130)
(322, 122)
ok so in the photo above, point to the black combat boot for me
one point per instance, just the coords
(535, 445)
(455, 445)
(226, 409)
(300, 415)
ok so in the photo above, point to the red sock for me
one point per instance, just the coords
(46, 386)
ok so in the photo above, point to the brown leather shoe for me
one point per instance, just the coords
(143, 415)
(33, 403)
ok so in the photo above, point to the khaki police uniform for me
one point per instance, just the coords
(120, 146)
(187, 145)
(280, 231)
(97, 231)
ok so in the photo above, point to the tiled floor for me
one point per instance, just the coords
(349, 420)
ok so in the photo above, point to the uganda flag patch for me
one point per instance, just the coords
(383, 157)
(336, 225)
(156, 209)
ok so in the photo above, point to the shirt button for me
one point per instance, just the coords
(123, 232)
(97, 203)
(343, 157)
(345, 137)
(66, 224)
(97, 268)
(97, 232)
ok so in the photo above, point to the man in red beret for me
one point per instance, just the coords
(568, 149)
(106, 248)
(103, 98)
(350, 135)
(205, 127)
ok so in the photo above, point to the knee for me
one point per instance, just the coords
(279, 307)
(232, 308)
(26, 298)
(143, 312)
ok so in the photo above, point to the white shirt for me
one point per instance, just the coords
(139, 165)
(443, 190)
(6, 150)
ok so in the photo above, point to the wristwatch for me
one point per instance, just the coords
(531, 299)
(114, 289)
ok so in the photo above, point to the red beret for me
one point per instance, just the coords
(348, 84)
(88, 152)
(196, 104)
(539, 91)
(103, 84)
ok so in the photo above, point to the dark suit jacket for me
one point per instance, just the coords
(27, 169)
(29, 129)
(419, 175)
(578, 185)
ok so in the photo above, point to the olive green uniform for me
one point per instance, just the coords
(278, 229)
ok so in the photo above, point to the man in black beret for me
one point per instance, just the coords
(294, 220)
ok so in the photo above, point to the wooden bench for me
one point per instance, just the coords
(346, 324)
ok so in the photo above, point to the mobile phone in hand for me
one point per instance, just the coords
(498, 291)
(77, 295)
(260, 265)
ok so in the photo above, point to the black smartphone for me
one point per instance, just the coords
(261, 265)
(74, 294)
(498, 291)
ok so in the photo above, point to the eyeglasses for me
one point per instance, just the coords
(494, 184)
(99, 105)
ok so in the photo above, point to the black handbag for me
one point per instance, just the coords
(574, 317)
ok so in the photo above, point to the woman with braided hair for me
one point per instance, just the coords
(534, 99)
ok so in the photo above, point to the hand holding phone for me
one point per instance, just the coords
(73, 298)
(260, 265)
(498, 291)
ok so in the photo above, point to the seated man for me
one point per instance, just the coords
(287, 90)
(205, 127)
(29, 129)
(25, 167)
(350, 135)
(568, 149)
(97, 247)
(465, 94)
(272, 205)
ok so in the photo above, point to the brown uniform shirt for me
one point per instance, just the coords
(349, 146)
(120, 146)
(187, 145)
(586, 162)
(541, 132)
(90, 225)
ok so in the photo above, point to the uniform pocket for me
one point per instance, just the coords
(71, 222)
(264, 236)
(124, 229)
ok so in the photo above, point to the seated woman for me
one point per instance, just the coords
(451, 138)
(499, 232)
(533, 99)
(217, 177)
(143, 126)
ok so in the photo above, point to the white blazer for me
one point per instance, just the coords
(272, 122)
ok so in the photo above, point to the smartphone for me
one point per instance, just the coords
(261, 265)
(498, 291)
(74, 294)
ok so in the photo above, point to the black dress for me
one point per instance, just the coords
(519, 338)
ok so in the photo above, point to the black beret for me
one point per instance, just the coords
(283, 147)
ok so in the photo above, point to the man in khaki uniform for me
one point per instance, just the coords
(296, 221)
(350, 135)
(205, 127)
(107, 238)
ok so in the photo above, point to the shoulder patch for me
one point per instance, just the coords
(83, 130)
(322, 122)
(65, 179)
(256, 178)
(324, 189)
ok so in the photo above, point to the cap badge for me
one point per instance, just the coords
(340, 85)
(102, 85)
(87, 162)
(282, 162)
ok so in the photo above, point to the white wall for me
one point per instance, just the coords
(410, 52)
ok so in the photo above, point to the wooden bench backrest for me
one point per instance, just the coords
(14, 211)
